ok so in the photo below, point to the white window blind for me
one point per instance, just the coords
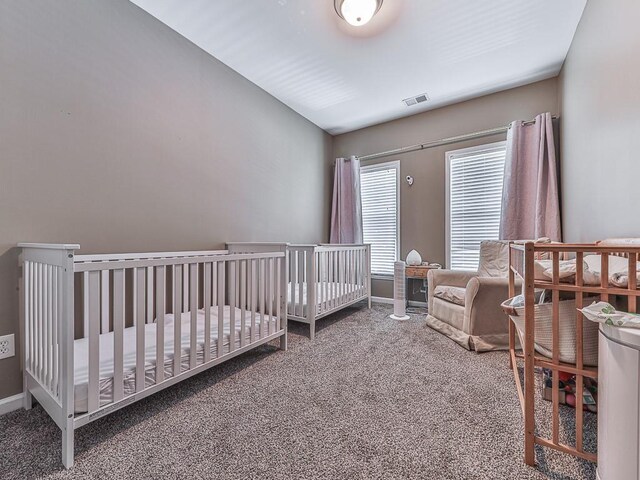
(379, 188)
(474, 196)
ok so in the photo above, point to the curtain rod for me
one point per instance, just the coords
(443, 141)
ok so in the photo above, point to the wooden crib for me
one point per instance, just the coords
(101, 331)
(522, 261)
(322, 279)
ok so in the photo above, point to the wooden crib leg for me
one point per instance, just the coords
(27, 400)
(312, 330)
(283, 342)
(67, 444)
(529, 359)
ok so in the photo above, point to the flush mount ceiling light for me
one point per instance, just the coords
(357, 12)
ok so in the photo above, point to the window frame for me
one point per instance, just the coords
(392, 164)
(449, 156)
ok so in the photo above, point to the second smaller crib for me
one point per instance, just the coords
(323, 279)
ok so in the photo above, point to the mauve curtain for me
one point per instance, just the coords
(530, 197)
(346, 211)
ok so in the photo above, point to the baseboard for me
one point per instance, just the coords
(415, 303)
(389, 301)
(386, 300)
(10, 404)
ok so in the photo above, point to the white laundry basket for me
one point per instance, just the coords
(543, 331)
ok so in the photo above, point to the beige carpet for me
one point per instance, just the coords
(369, 398)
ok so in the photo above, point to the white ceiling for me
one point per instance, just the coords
(343, 78)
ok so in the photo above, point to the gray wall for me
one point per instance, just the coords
(422, 223)
(120, 135)
(600, 85)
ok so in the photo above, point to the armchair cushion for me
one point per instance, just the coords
(450, 294)
(494, 258)
(453, 278)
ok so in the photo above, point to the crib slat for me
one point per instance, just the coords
(604, 275)
(345, 258)
(232, 305)
(43, 324)
(34, 318)
(118, 333)
(253, 296)
(185, 289)
(555, 336)
(59, 329)
(243, 303)
(28, 313)
(237, 283)
(632, 284)
(139, 319)
(38, 331)
(94, 339)
(214, 283)
(104, 306)
(579, 350)
(336, 286)
(274, 298)
(343, 279)
(302, 281)
(321, 282)
(338, 256)
(178, 282)
(54, 331)
(278, 292)
(292, 283)
(269, 288)
(347, 274)
(150, 296)
(330, 280)
(46, 334)
(349, 270)
(207, 312)
(26, 285)
(261, 289)
(360, 273)
(160, 313)
(221, 297)
(193, 306)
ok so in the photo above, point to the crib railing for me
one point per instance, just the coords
(321, 278)
(47, 273)
(522, 258)
(117, 293)
(343, 273)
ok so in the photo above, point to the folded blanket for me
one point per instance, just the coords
(591, 268)
(602, 312)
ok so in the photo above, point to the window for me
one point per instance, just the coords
(474, 197)
(380, 213)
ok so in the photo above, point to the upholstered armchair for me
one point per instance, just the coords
(465, 306)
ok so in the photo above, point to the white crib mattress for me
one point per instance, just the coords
(330, 290)
(81, 354)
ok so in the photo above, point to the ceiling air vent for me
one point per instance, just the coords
(409, 102)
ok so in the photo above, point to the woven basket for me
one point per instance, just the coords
(543, 341)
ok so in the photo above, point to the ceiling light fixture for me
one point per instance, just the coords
(357, 12)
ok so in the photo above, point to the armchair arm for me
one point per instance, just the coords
(483, 315)
(452, 278)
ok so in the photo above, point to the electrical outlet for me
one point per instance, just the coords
(7, 346)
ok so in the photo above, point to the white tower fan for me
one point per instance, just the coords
(399, 294)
